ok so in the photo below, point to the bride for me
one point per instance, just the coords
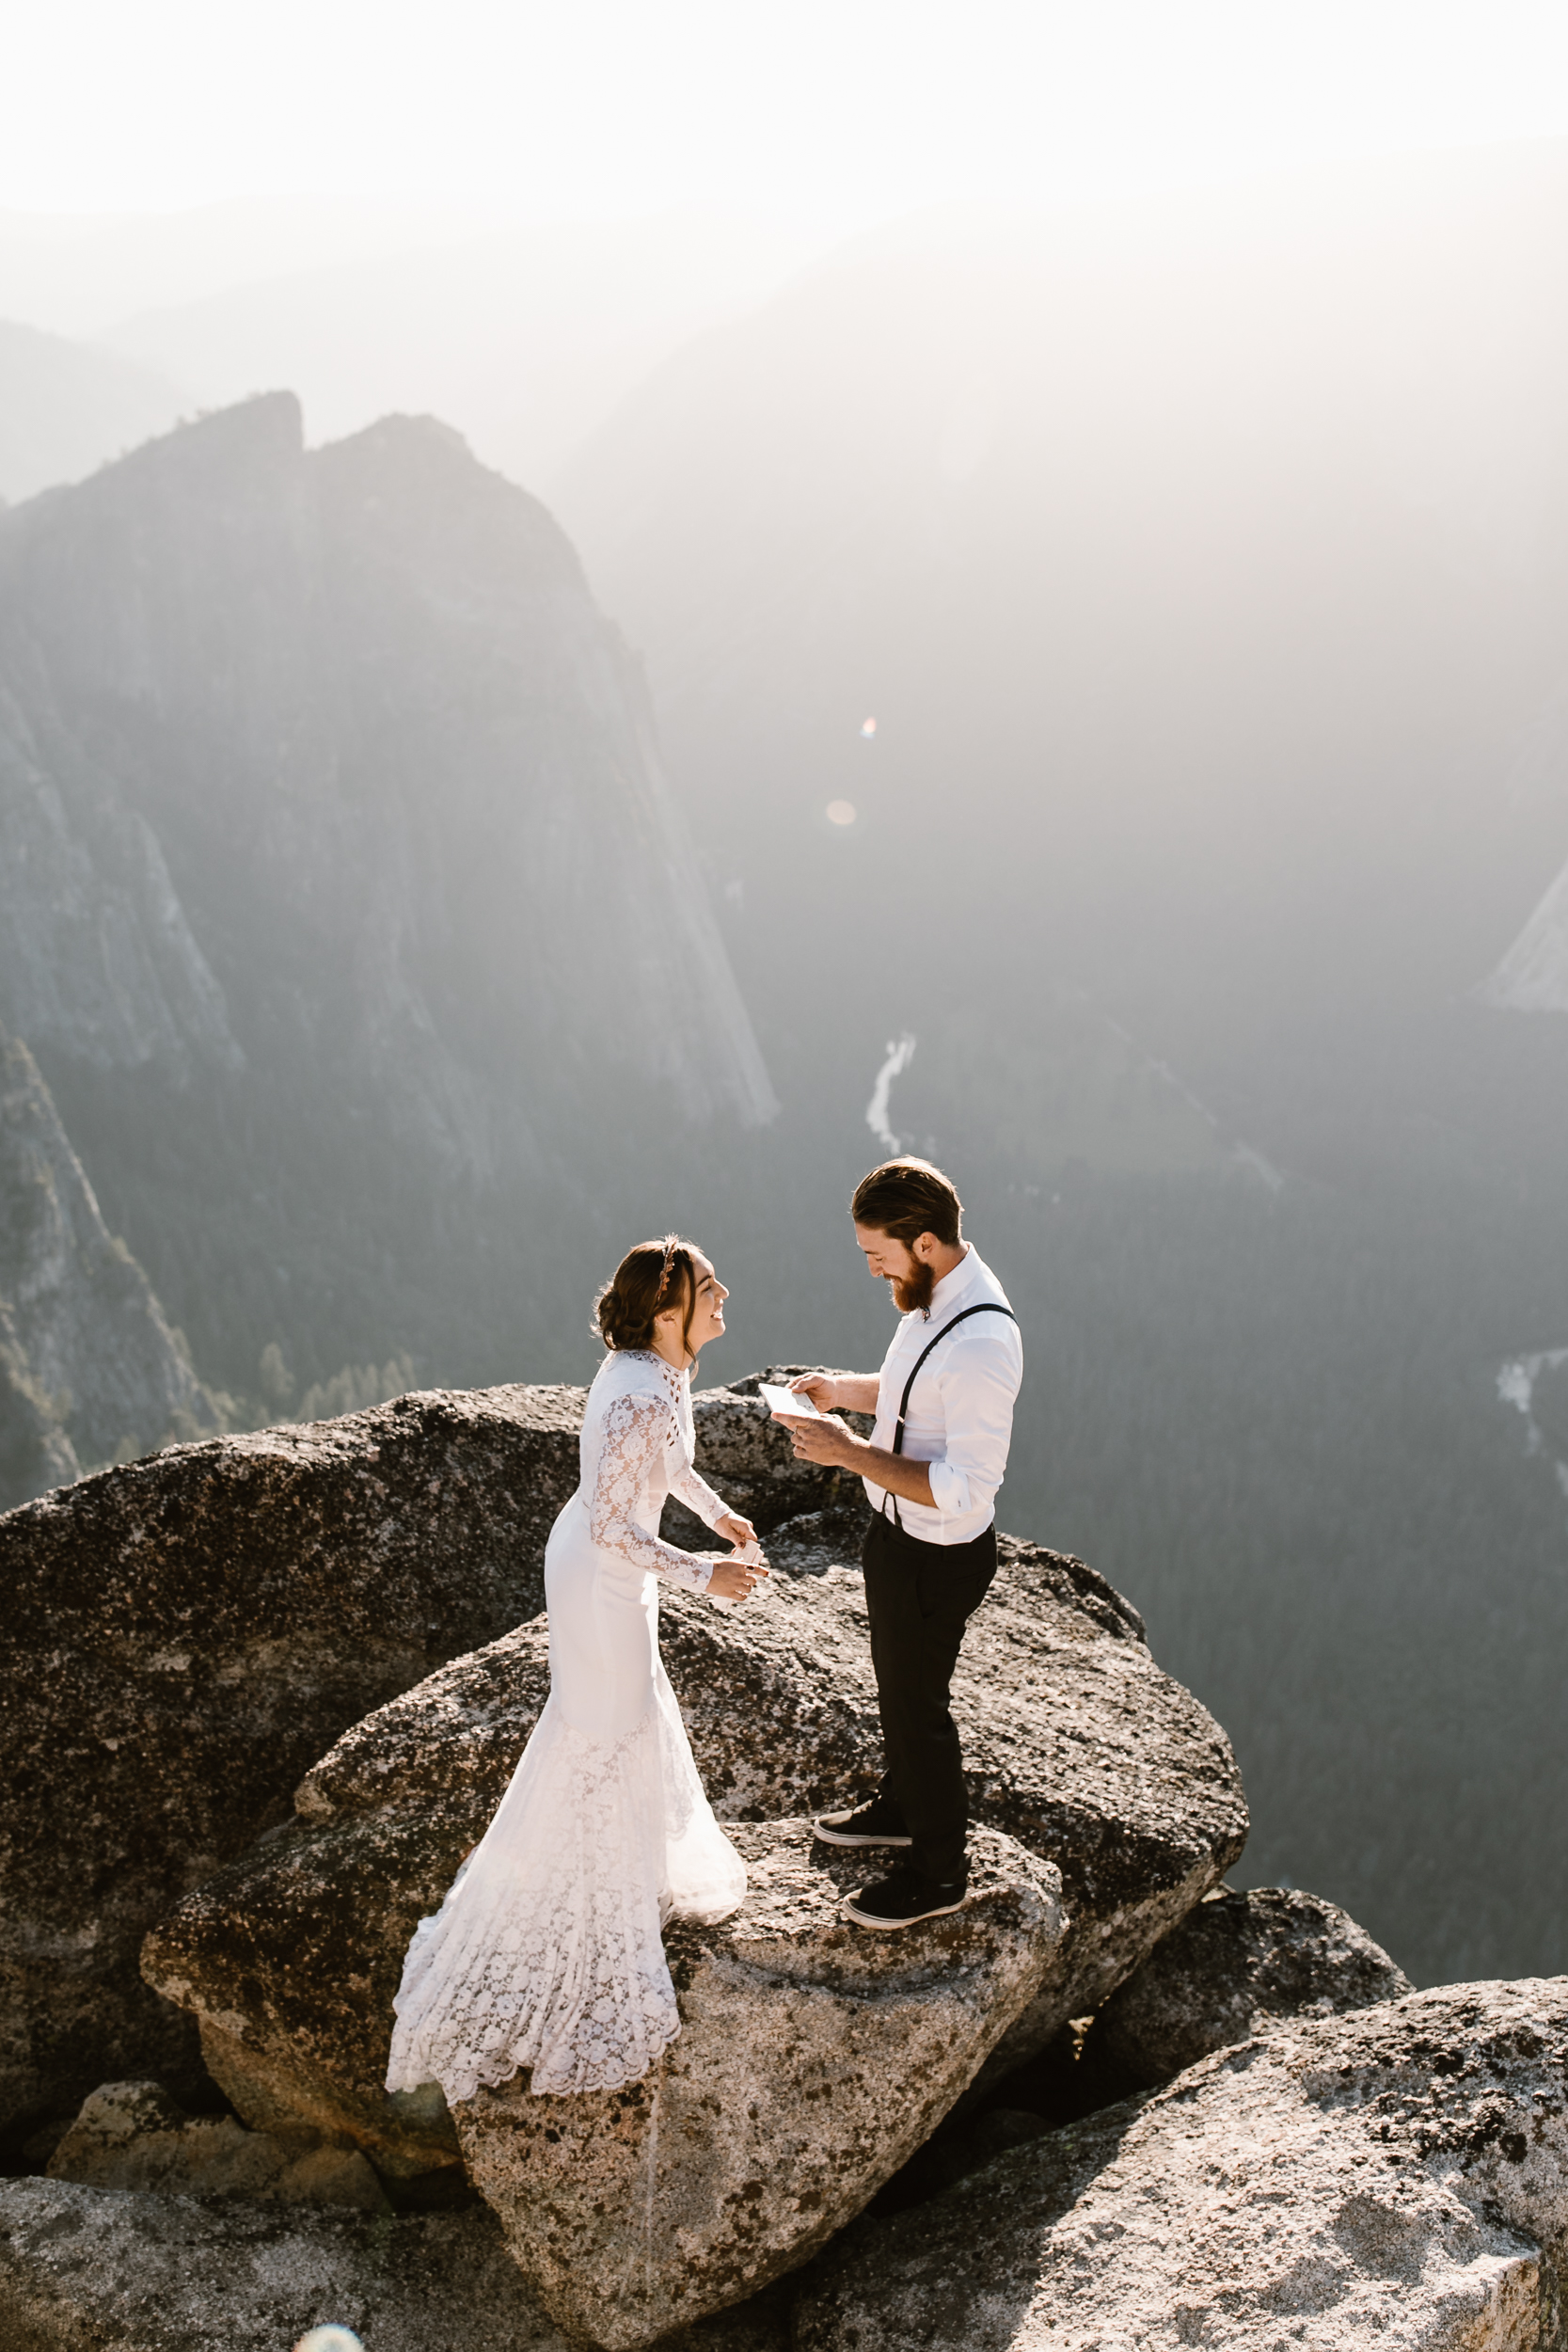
(546, 1952)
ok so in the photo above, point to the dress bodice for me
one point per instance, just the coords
(638, 1441)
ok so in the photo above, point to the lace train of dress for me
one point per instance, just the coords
(546, 1952)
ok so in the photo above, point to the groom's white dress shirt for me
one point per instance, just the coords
(960, 1416)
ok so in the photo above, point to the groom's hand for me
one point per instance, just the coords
(828, 1441)
(822, 1392)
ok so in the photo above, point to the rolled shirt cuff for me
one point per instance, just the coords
(949, 1488)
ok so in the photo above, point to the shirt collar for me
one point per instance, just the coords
(951, 1285)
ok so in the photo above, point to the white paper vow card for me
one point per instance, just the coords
(749, 1556)
(781, 1400)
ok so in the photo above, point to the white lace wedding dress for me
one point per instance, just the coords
(546, 1952)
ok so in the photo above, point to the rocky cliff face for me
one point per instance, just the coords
(187, 1632)
(88, 1365)
(339, 887)
(185, 1635)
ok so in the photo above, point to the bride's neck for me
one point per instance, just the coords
(676, 1356)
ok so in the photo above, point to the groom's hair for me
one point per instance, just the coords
(906, 1197)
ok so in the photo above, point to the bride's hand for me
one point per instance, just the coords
(735, 1579)
(735, 1530)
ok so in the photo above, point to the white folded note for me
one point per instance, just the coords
(782, 1400)
(747, 1556)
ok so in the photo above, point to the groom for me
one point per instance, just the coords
(944, 1403)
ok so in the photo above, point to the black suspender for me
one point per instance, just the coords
(987, 1306)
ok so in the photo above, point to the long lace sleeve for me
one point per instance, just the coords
(634, 1428)
(698, 1496)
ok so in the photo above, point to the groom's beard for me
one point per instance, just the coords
(912, 1293)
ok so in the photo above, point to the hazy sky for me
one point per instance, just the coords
(836, 111)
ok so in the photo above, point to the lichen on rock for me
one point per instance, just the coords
(132, 2136)
(1236, 1966)
(1398, 2176)
(125, 2270)
(812, 2059)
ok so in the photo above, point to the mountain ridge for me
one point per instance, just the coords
(71, 406)
(343, 900)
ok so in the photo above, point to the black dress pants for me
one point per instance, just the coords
(919, 1598)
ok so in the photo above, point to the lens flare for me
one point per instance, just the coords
(841, 812)
(869, 728)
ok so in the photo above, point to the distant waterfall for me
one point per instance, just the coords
(899, 1057)
(1517, 1381)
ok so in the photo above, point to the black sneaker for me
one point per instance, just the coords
(872, 1824)
(898, 1902)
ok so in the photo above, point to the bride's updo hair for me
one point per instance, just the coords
(649, 1279)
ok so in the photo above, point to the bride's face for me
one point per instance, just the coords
(707, 1315)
